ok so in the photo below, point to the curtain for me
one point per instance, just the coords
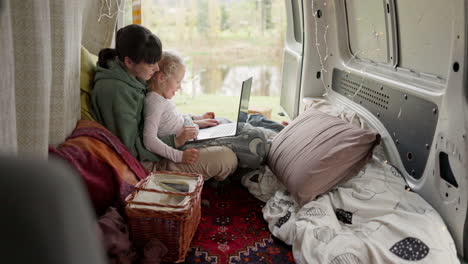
(40, 51)
(8, 140)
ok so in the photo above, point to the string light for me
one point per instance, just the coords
(107, 4)
(317, 44)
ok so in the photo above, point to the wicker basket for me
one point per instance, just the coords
(170, 215)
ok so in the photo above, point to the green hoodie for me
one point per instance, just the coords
(117, 103)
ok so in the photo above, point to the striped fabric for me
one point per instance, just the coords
(136, 12)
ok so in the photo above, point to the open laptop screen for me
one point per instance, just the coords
(244, 101)
(230, 129)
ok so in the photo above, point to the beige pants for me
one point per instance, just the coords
(216, 162)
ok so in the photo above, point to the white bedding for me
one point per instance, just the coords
(369, 219)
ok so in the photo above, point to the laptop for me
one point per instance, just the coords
(229, 129)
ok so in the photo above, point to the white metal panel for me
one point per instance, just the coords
(432, 37)
(292, 61)
(426, 35)
(291, 83)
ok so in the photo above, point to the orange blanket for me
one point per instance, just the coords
(108, 169)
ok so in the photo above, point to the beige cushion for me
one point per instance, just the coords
(88, 66)
(317, 151)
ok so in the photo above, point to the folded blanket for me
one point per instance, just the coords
(258, 120)
(107, 168)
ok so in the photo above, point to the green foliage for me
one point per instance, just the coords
(127, 17)
(241, 18)
(224, 19)
(202, 18)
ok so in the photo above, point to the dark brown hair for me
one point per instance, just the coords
(135, 42)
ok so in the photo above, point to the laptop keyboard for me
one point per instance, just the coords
(225, 129)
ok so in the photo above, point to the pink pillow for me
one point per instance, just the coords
(317, 151)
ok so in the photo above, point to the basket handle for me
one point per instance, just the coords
(198, 177)
(165, 192)
(139, 187)
(162, 205)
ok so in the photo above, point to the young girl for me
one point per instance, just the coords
(118, 99)
(162, 119)
(161, 116)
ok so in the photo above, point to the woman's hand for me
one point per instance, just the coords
(190, 156)
(206, 123)
(208, 115)
(185, 135)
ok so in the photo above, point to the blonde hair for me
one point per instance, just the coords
(170, 63)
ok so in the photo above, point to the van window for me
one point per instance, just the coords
(395, 32)
(223, 43)
(419, 47)
(369, 34)
(297, 20)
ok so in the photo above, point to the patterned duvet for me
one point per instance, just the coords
(372, 218)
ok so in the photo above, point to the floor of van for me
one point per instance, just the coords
(232, 229)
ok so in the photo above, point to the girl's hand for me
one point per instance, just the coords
(186, 134)
(206, 123)
(190, 156)
(208, 115)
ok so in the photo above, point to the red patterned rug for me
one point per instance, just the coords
(232, 230)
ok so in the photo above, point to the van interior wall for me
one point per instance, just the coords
(40, 51)
(429, 67)
(320, 43)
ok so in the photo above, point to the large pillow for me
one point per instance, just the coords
(317, 151)
(88, 65)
